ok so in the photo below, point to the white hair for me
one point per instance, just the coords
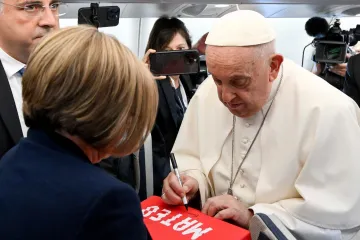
(266, 49)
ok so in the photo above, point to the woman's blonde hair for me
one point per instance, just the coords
(87, 84)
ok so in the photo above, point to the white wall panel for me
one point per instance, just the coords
(127, 31)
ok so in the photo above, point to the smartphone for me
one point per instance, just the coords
(108, 16)
(170, 63)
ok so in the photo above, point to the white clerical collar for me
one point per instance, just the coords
(10, 64)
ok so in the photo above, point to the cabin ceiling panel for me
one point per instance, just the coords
(312, 2)
(183, 10)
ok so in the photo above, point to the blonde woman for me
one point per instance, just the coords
(86, 97)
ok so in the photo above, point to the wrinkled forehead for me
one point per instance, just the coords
(17, 2)
(229, 57)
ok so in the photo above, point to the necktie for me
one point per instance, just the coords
(180, 108)
(21, 71)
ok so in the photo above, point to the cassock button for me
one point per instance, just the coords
(243, 155)
(241, 171)
(242, 185)
(247, 125)
(245, 141)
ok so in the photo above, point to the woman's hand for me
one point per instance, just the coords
(146, 60)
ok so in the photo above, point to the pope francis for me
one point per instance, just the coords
(263, 135)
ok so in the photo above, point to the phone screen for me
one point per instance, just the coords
(170, 63)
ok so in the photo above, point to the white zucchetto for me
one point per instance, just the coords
(241, 28)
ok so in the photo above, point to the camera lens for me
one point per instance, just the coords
(190, 58)
(113, 14)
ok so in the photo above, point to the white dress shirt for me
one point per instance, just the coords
(12, 67)
(182, 90)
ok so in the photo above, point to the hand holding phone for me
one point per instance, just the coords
(146, 60)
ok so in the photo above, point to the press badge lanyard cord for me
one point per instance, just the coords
(232, 180)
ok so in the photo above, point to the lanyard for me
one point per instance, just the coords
(232, 180)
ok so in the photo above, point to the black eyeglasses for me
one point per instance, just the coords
(37, 8)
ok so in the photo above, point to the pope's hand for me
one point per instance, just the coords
(173, 192)
(226, 207)
(146, 60)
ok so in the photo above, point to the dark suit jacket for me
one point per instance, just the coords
(50, 190)
(352, 82)
(166, 128)
(10, 128)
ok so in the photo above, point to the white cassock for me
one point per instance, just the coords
(304, 166)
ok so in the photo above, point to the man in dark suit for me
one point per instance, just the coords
(21, 30)
(352, 82)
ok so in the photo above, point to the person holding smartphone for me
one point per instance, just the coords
(175, 92)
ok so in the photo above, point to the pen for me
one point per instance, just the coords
(176, 170)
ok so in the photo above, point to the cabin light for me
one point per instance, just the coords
(221, 5)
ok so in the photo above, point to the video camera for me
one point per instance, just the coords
(333, 47)
(331, 42)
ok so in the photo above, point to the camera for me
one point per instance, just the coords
(113, 14)
(331, 42)
(190, 58)
(333, 47)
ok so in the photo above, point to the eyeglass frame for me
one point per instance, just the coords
(43, 7)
